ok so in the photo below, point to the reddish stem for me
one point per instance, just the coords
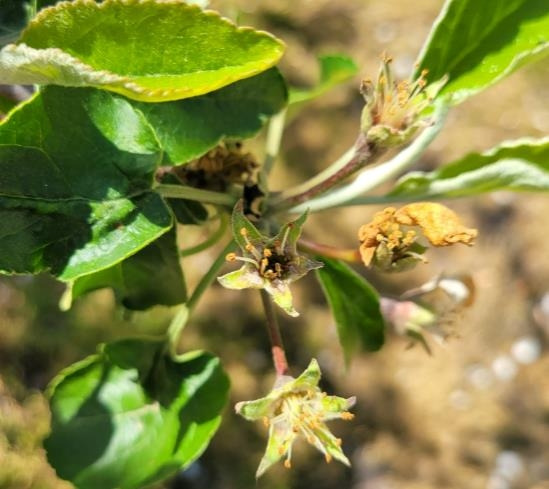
(277, 347)
(366, 153)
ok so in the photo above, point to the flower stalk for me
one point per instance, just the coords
(277, 347)
(190, 193)
(350, 255)
(360, 155)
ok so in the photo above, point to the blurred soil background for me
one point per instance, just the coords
(474, 415)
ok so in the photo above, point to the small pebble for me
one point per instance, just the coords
(526, 350)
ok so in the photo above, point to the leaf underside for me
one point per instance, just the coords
(521, 165)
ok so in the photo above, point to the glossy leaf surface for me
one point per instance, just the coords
(148, 50)
(151, 277)
(477, 43)
(130, 415)
(355, 307)
(515, 165)
(188, 128)
(74, 195)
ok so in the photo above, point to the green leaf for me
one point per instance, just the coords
(72, 201)
(477, 43)
(355, 306)
(148, 50)
(334, 69)
(152, 276)
(189, 128)
(515, 165)
(130, 415)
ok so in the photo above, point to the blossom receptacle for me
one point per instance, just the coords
(268, 263)
(296, 407)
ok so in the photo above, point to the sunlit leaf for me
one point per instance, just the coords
(477, 43)
(130, 415)
(148, 50)
(515, 165)
(74, 197)
(151, 277)
(188, 128)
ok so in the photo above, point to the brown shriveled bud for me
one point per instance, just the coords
(224, 165)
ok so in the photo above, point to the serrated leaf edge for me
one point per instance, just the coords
(134, 90)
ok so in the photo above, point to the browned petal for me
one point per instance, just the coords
(367, 253)
(440, 225)
(367, 234)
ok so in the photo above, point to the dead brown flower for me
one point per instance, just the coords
(388, 243)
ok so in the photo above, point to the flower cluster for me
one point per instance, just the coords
(296, 407)
(389, 244)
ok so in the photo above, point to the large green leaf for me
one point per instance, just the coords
(334, 69)
(515, 165)
(355, 306)
(151, 277)
(188, 128)
(477, 43)
(131, 415)
(149, 50)
(75, 195)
